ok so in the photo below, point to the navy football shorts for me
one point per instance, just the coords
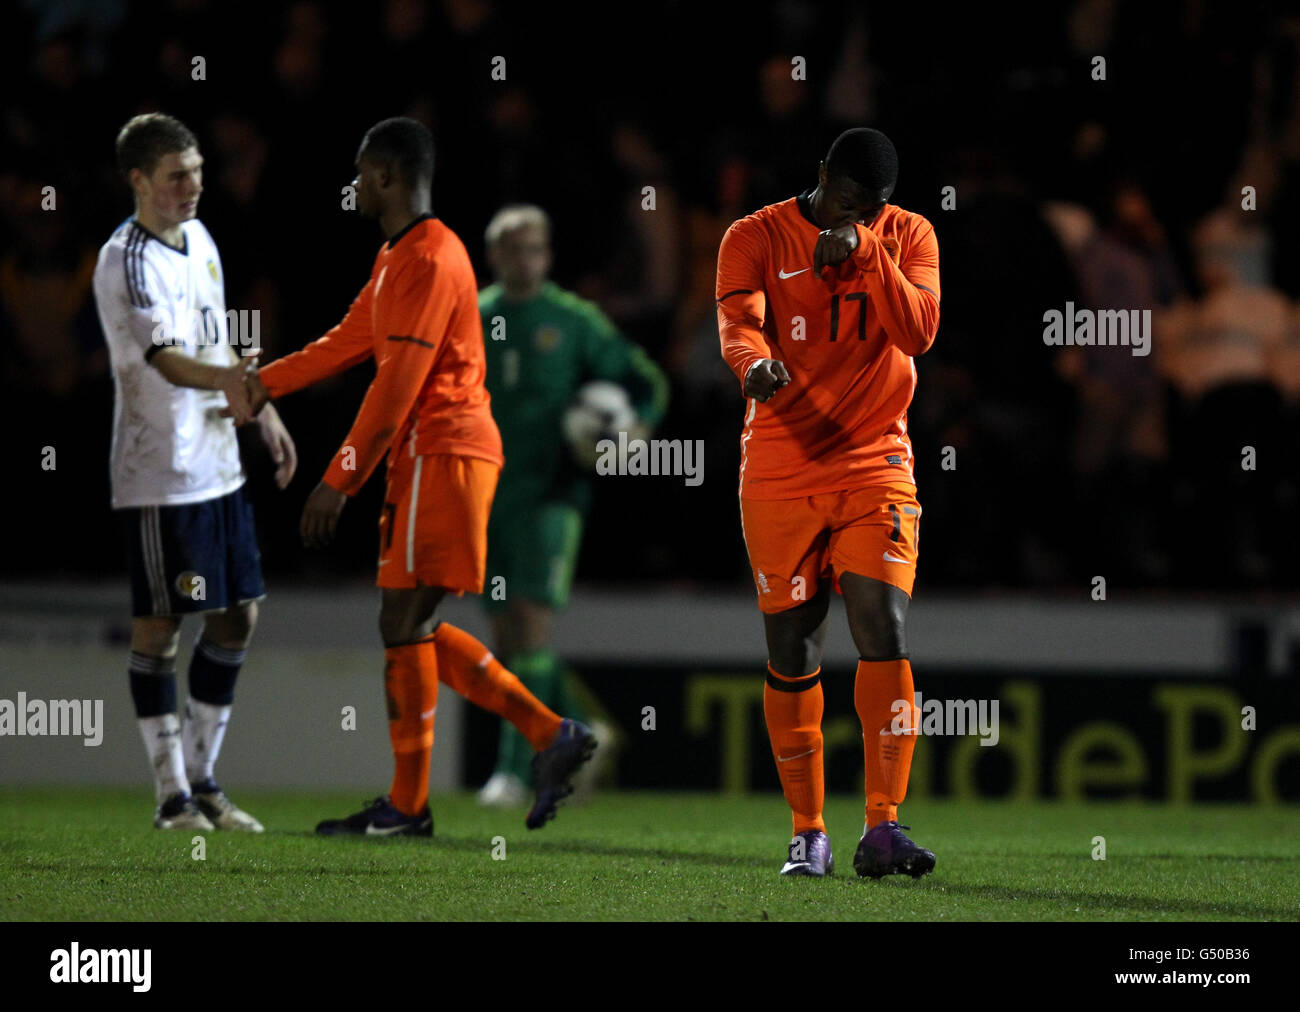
(201, 556)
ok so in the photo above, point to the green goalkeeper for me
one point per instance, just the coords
(543, 343)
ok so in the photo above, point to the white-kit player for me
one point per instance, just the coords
(176, 474)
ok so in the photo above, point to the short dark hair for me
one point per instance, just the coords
(405, 144)
(146, 139)
(868, 158)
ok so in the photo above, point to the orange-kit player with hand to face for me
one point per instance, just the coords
(428, 411)
(823, 301)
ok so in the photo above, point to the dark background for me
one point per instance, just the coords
(1070, 464)
(1028, 761)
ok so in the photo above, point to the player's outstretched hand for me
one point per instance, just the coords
(320, 516)
(765, 378)
(238, 403)
(834, 246)
(280, 445)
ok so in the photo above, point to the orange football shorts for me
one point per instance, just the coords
(433, 529)
(795, 544)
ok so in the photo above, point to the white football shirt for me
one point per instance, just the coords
(169, 444)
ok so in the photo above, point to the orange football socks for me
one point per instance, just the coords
(411, 685)
(793, 709)
(469, 667)
(877, 692)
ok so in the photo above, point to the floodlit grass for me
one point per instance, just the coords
(92, 854)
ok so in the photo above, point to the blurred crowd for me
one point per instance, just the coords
(1172, 185)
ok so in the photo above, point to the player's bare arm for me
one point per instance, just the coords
(183, 371)
(279, 444)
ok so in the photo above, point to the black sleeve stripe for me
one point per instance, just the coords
(126, 267)
(141, 287)
(930, 290)
(142, 290)
(155, 348)
(414, 340)
(134, 266)
(738, 291)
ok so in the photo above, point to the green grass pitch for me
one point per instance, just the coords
(76, 855)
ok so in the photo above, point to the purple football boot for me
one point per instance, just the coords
(379, 818)
(810, 854)
(885, 850)
(553, 767)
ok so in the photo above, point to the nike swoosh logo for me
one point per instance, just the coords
(373, 830)
(783, 275)
(786, 759)
(893, 558)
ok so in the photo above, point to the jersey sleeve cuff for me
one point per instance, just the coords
(272, 378)
(868, 247)
(744, 372)
(338, 479)
(157, 346)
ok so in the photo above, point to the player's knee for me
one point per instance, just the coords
(880, 644)
(794, 657)
(878, 633)
(246, 620)
(788, 663)
(408, 615)
(156, 636)
(795, 637)
(877, 614)
(392, 626)
(233, 627)
(402, 625)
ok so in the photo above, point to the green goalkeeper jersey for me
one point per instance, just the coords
(539, 353)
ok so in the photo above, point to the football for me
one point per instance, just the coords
(600, 410)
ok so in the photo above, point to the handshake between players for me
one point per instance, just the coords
(246, 396)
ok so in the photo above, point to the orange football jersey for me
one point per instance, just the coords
(418, 316)
(847, 339)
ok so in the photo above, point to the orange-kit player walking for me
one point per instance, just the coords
(428, 410)
(823, 302)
